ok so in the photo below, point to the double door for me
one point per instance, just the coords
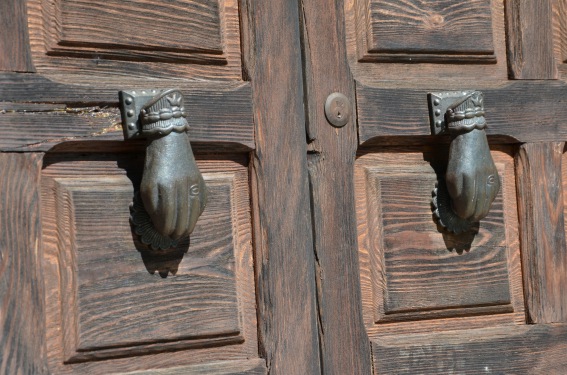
(318, 250)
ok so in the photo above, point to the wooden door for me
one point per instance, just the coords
(76, 294)
(317, 252)
(396, 294)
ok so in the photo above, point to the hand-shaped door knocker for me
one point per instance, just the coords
(172, 193)
(471, 181)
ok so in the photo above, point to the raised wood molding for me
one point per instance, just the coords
(428, 32)
(529, 27)
(15, 52)
(22, 307)
(390, 115)
(540, 204)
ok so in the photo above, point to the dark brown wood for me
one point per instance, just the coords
(417, 31)
(510, 349)
(15, 53)
(287, 305)
(530, 39)
(219, 114)
(414, 271)
(540, 190)
(22, 319)
(344, 344)
(516, 112)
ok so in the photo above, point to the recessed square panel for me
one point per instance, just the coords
(113, 300)
(426, 31)
(417, 270)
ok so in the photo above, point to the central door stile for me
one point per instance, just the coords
(345, 348)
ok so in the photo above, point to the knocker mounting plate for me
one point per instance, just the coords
(131, 103)
(439, 102)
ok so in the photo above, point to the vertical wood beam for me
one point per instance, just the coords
(287, 310)
(345, 347)
(15, 52)
(22, 319)
(541, 211)
(530, 39)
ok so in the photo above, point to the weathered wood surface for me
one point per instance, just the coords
(541, 207)
(428, 31)
(245, 367)
(15, 52)
(111, 40)
(530, 41)
(344, 343)
(285, 264)
(102, 302)
(423, 52)
(22, 319)
(410, 269)
(519, 111)
(218, 114)
(510, 349)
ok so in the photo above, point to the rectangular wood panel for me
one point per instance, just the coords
(426, 31)
(416, 270)
(196, 39)
(183, 25)
(111, 300)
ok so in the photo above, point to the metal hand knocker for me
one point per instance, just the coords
(172, 193)
(471, 181)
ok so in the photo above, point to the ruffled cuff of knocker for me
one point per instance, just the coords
(466, 115)
(164, 114)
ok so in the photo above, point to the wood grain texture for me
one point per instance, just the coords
(410, 22)
(538, 349)
(427, 31)
(190, 25)
(530, 39)
(102, 302)
(344, 343)
(410, 269)
(22, 324)
(540, 190)
(218, 114)
(248, 367)
(285, 277)
(196, 39)
(512, 113)
(15, 52)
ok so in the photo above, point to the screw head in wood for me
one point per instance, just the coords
(337, 109)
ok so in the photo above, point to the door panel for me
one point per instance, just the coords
(100, 305)
(410, 269)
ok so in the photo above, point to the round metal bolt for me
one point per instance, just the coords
(436, 101)
(337, 109)
(437, 112)
(130, 113)
(128, 101)
(438, 123)
(132, 126)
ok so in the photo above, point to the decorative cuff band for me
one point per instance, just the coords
(163, 114)
(467, 114)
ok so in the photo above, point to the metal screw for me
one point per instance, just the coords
(337, 109)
